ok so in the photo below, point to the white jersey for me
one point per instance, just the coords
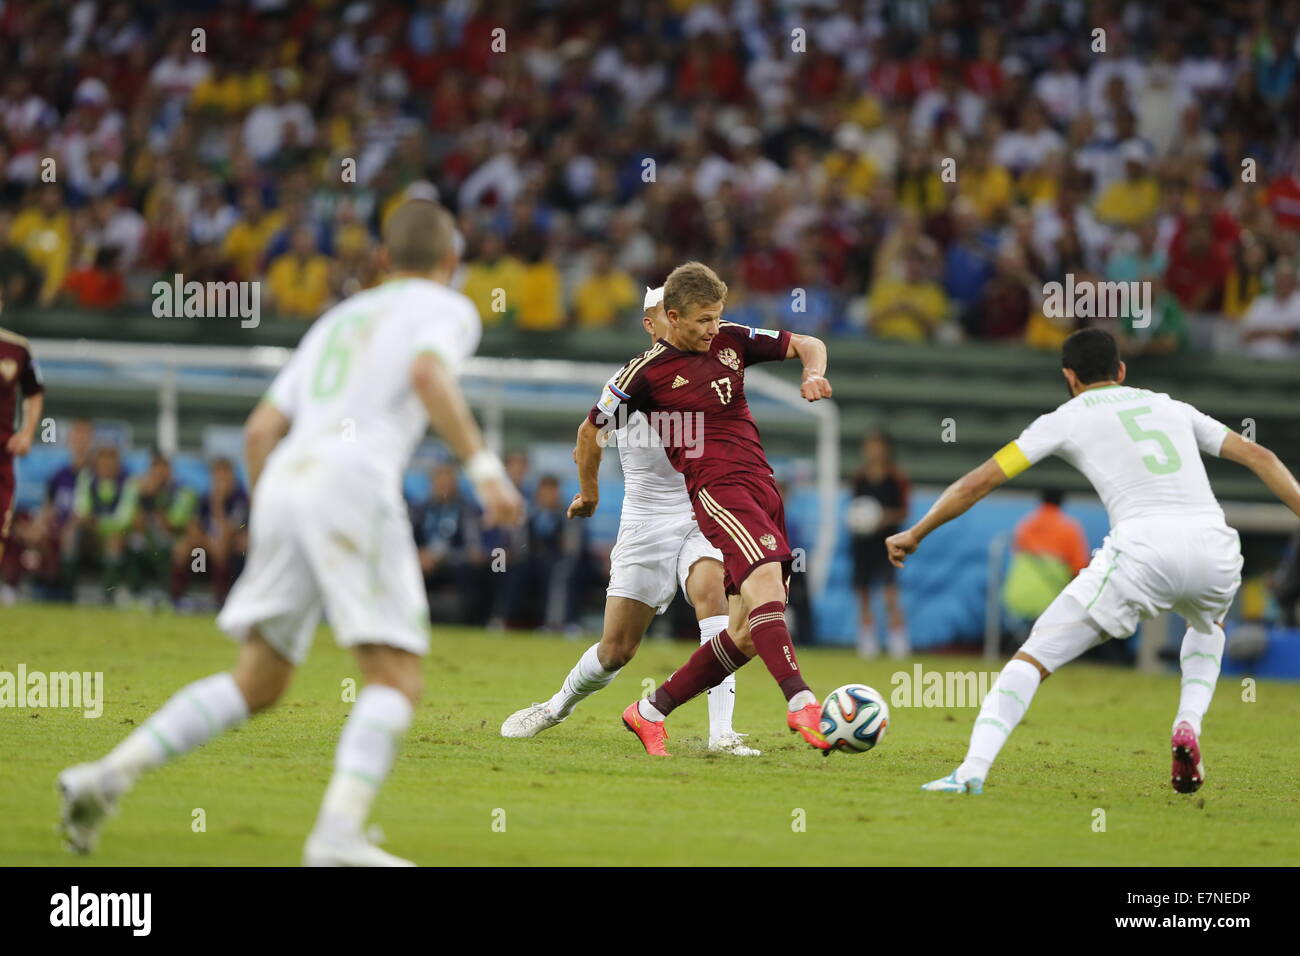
(347, 389)
(652, 487)
(1139, 449)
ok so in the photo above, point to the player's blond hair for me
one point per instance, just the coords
(692, 283)
(419, 235)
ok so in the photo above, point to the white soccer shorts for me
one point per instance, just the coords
(328, 538)
(1148, 566)
(652, 558)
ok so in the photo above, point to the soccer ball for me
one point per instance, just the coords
(863, 515)
(854, 718)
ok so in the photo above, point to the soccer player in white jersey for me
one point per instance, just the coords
(325, 450)
(659, 546)
(1169, 547)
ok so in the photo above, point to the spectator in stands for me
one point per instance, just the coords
(449, 534)
(607, 294)
(20, 280)
(911, 308)
(298, 282)
(492, 281)
(246, 241)
(43, 231)
(1270, 329)
(1165, 331)
(1198, 268)
(541, 298)
(1134, 198)
(97, 284)
(880, 498)
(1048, 549)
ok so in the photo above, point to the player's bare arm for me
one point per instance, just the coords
(20, 442)
(1266, 466)
(811, 351)
(587, 456)
(262, 432)
(956, 500)
(451, 420)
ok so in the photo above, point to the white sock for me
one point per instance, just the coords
(587, 677)
(722, 699)
(801, 700)
(1200, 658)
(1005, 704)
(193, 716)
(649, 711)
(365, 754)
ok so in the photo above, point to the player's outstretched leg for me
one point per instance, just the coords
(1062, 633)
(1200, 658)
(367, 748)
(764, 592)
(626, 621)
(193, 716)
(704, 669)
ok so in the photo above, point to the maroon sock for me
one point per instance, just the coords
(707, 667)
(772, 641)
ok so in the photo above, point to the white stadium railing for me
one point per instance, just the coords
(491, 385)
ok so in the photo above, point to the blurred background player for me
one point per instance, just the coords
(1048, 549)
(101, 515)
(1169, 547)
(160, 510)
(21, 390)
(325, 453)
(659, 548)
(219, 527)
(695, 374)
(880, 490)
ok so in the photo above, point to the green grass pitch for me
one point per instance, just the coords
(584, 793)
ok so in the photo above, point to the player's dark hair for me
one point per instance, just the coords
(1092, 355)
(418, 236)
(1052, 496)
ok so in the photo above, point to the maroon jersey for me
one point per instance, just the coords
(696, 401)
(19, 375)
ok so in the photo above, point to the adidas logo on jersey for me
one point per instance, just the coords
(678, 382)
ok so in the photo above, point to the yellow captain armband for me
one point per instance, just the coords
(1011, 459)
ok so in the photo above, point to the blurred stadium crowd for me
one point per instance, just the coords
(796, 146)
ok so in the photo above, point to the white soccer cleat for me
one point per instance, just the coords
(950, 784)
(734, 744)
(529, 722)
(87, 803)
(324, 849)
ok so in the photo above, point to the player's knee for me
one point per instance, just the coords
(616, 652)
(391, 667)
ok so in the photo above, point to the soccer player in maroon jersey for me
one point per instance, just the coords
(691, 385)
(19, 374)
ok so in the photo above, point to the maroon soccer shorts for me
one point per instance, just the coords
(743, 516)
